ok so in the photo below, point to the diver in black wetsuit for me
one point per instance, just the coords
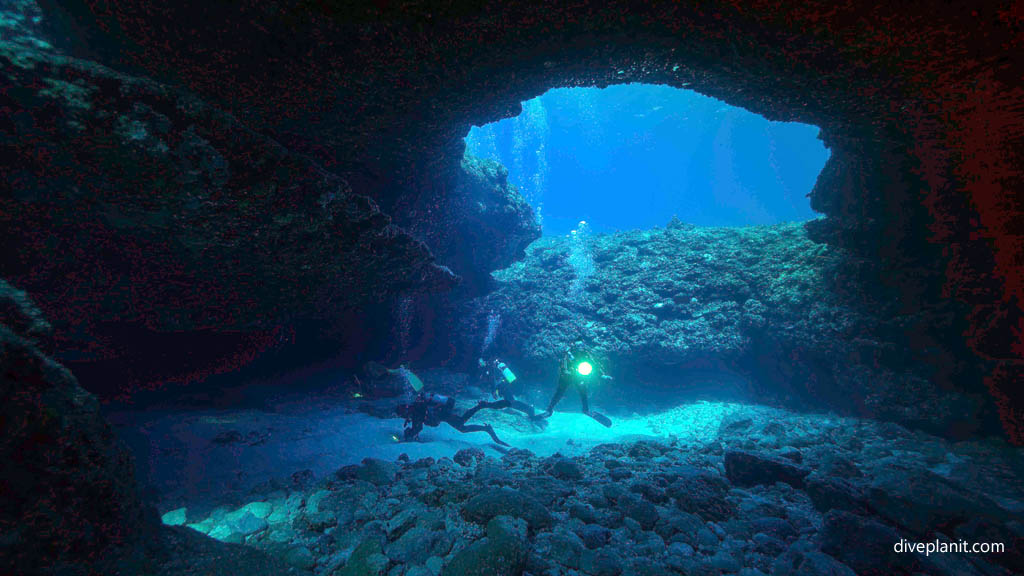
(494, 376)
(430, 410)
(577, 368)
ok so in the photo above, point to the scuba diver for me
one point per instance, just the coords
(429, 409)
(498, 377)
(578, 368)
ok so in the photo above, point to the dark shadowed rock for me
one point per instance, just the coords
(700, 492)
(922, 501)
(506, 502)
(620, 473)
(501, 553)
(68, 483)
(481, 225)
(594, 536)
(833, 493)
(377, 472)
(645, 513)
(747, 469)
(864, 544)
(366, 560)
(600, 563)
(561, 547)
(818, 564)
(563, 468)
(546, 489)
(214, 227)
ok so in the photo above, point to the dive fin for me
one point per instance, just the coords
(604, 420)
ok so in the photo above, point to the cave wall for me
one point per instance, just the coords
(144, 221)
(669, 309)
(383, 93)
(69, 485)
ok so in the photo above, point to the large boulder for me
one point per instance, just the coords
(501, 553)
(923, 502)
(495, 502)
(749, 469)
(864, 544)
(700, 492)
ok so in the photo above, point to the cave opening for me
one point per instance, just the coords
(632, 156)
(661, 208)
(308, 180)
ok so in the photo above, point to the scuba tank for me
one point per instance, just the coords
(509, 376)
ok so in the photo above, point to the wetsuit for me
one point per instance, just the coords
(568, 376)
(432, 409)
(501, 389)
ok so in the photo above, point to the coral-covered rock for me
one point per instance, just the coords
(767, 301)
(481, 225)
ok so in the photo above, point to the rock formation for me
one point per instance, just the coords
(924, 166)
(767, 301)
(132, 208)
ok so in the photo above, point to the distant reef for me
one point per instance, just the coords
(794, 316)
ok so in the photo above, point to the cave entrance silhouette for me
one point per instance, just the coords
(572, 153)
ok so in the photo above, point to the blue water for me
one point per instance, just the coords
(633, 156)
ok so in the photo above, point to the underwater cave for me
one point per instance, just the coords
(441, 289)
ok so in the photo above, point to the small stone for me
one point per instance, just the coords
(619, 474)
(645, 513)
(706, 539)
(468, 456)
(366, 560)
(594, 536)
(174, 517)
(775, 527)
(300, 557)
(681, 549)
(435, 564)
(564, 469)
(583, 512)
(247, 524)
(600, 563)
(377, 472)
(768, 545)
(258, 509)
(650, 492)
(725, 562)
(562, 547)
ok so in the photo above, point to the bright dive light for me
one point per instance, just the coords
(584, 368)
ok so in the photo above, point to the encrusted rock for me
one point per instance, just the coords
(506, 502)
(501, 553)
(747, 469)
